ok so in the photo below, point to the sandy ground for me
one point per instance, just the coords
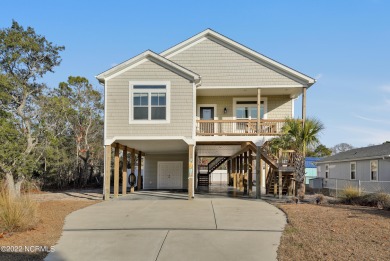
(335, 232)
(53, 208)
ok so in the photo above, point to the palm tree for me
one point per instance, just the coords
(298, 136)
(302, 135)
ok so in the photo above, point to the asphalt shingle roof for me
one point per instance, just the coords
(366, 152)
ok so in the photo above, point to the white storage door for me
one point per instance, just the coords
(170, 175)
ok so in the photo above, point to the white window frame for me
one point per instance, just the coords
(167, 91)
(350, 170)
(377, 170)
(262, 99)
(327, 171)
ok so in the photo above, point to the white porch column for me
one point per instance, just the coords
(258, 110)
(304, 104)
(191, 172)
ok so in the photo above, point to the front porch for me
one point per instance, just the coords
(264, 127)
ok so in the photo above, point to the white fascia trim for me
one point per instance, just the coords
(151, 56)
(351, 160)
(186, 46)
(255, 139)
(105, 84)
(223, 39)
(189, 141)
(203, 87)
(193, 111)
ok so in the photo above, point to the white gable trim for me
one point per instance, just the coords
(153, 57)
(185, 47)
(223, 40)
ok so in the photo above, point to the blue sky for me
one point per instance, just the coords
(344, 44)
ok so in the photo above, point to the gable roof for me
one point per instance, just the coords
(151, 56)
(260, 58)
(372, 152)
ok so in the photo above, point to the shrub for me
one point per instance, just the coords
(32, 185)
(17, 213)
(350, 195)
(380, 200)
(319, 198)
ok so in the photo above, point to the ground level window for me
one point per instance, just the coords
(353, 170)
(374, 169)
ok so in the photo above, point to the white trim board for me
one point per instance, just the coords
(167, 91)
(262, 99)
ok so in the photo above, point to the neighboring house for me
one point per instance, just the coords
(208, 96)
(364, 164)
(310, 168)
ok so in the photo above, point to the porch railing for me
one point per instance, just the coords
(239, 127)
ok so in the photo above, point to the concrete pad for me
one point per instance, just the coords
(172, 229)
(159, 214)
(108, 245)
(219, 245)
(247, 215)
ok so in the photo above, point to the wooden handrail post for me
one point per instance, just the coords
(139, 179)
(124, 172)
(250, 167)
(132, 167)
(116, 171)
(258, 110)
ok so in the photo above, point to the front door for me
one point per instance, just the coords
(170, 175)
(207, 113)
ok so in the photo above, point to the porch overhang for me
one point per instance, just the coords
(155, 145)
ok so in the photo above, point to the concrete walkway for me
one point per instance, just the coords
(146, 228)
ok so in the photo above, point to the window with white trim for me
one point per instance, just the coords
(149, 102)
(374, 169)
(327, 171)
(353, 170)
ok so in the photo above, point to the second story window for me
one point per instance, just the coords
(149, 103)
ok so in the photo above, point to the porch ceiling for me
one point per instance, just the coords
(156, 146)
(249, 91)
(217, 150)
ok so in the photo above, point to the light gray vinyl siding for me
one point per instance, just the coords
(384, 170)
(341, 170)
(151, 160)
(278, 107)
(117, 111)
(220, 66)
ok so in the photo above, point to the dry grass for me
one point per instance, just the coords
(335, 232)
(350, 194)
(17, 213)
(51, 216)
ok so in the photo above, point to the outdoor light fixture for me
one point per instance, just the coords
(225, 110)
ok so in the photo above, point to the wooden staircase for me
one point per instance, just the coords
(204, 178)
(289, 164)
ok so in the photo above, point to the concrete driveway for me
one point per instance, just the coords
(147, 228)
